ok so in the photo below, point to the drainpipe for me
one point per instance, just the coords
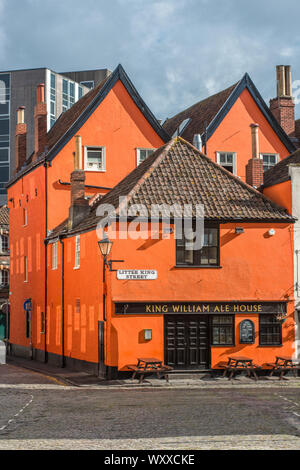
(62, 301)
(46, 260)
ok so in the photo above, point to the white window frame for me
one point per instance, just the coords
(234, 160)
(88, 148)
(4, 284)
(25, 218)
(276, 155)
(54, 255)
(138, 154)
(2, 238)
(77, 252)
(25, 268)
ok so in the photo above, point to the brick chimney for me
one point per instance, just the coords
(283, 106)
(79, 205)
(254, 167)
(21, 139)
(40, 121)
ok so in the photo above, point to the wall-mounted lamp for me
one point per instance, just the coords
(271, 232)
(239, 230)
(147, 335)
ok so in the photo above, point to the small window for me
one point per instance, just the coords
(94, 158)
(25, 269)
(270, 331)
(4, 277)
(223, 330)
(269, 160)
(142, 154)
(89, 84)
(77, 251)
(4, 244)
(54, 255)
(207, 256)
(24, 216)
(227, 160)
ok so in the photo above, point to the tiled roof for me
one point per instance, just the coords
(209, 113)
(4, 215)
(200, 114)
(280, 172)
(178, 173)
(71, 120)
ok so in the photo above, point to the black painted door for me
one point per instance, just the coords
(186, 341)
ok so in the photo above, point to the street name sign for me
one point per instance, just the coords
(137, 274)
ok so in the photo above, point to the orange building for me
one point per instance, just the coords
(188, 308)
(117, 132)
(197, 306)
(220, 123)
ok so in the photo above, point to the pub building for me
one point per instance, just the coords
(155, 297)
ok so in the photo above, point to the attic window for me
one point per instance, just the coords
(181, 127)
(269, 160)
(142, 154)
(94, 158)
(227, 160)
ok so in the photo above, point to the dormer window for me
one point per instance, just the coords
(142, 154)
(227, 160)
(94, 158)
(269, 160)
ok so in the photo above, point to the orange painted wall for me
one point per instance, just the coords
(254, 267)
(234, 134)
(121, 128)
(116, 124)
(281, 194)
(27, 241)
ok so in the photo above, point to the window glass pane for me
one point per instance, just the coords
(53, 80)
(4, 126)
(4, 173)
(229, 158)
(205, 255)
(4, 155)
(94, 159)
(4, 93)
(89, 84)
(213, 255)
(65, 87)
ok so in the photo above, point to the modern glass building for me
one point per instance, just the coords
(18, 88)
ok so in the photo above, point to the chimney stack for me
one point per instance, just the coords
(254, 167)
(40, 121)
(21, 139)
(283, 106)
(79, 205)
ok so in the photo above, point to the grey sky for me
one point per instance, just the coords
(176, 52)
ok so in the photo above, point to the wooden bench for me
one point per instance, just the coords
(249, 369)
(161, 372)
(282, 368)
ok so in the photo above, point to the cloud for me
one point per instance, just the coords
(175, 52)
(2, 31)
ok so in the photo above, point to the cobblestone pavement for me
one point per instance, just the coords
(39, 412)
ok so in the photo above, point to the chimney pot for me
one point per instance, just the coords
(40, 93)
(254, 167)
(283, 106)
(21, 139)
(40, 122)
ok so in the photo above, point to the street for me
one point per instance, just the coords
(37, 412)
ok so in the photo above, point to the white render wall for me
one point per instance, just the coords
(294, 171)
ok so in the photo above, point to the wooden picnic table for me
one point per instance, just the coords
(149, 365)
(238, 363)
(283, 364)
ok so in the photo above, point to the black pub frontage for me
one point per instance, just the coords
(201, 335)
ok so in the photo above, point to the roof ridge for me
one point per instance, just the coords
(231, 175)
